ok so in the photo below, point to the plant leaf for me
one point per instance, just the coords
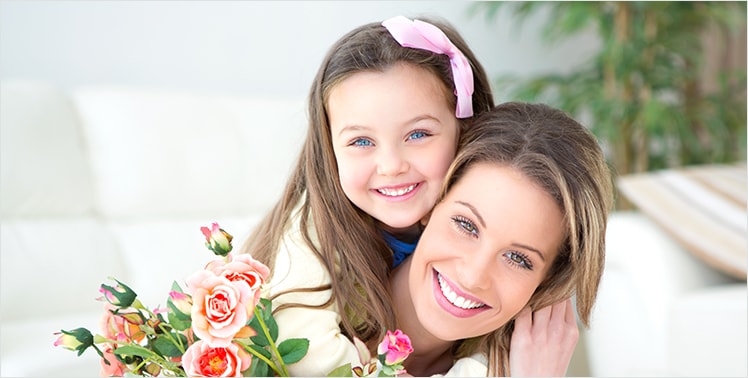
(131, 350)
(293, 350)
(342, 371)
(258, 369)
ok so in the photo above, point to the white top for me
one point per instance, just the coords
(296, 266)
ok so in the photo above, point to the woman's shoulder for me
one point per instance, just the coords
(475, 365)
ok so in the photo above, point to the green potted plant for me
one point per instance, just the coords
(643, 93)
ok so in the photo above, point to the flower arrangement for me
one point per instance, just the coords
(219, 326)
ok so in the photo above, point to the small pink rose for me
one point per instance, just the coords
(123, 327)
(395, 346)
(181, 302)
(202, 360)
(217, 240)
(115, 368)
(220, 307)
(242, 268)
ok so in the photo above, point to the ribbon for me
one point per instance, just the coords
(422, 35)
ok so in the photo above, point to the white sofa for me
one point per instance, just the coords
(116, 181)
(105, 181)
(662, 312)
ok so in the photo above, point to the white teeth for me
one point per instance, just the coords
(396, 193)
(455, 299)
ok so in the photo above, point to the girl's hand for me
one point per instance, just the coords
(544, 341)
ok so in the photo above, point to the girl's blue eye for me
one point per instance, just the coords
(361, 142)
(418, 135)
(519, 259)
(466, 226)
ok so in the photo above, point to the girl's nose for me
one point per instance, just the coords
(391, 162)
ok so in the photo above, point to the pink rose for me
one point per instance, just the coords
(124, 327)
(115, 368)
(217, 240)
(220, 307)
(202, 360)
(395, 346)
(240, 268)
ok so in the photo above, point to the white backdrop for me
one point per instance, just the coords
(242, 47)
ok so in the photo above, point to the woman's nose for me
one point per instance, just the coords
(476, 272)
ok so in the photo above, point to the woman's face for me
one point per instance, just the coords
(486, 248)
(394, 135)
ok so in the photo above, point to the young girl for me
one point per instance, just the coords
(520, 225)
(384, 122)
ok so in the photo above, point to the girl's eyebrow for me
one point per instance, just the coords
(482, 222)
(416, 119)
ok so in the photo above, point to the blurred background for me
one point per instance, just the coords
(661, 84)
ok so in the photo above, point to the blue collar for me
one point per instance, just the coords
(401, 250)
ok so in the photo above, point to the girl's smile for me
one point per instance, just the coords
(399, 193)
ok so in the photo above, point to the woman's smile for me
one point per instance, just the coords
(455, 301)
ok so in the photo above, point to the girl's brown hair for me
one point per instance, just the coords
(346, 239)
(565, 159)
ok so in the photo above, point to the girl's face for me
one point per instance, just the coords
(394, 135)
(486, 248)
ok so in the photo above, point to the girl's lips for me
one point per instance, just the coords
(398, 193)
(454, 301)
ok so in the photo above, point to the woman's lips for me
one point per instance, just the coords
(455, 301)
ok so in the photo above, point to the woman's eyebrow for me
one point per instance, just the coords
(527, 247)
(474, 210)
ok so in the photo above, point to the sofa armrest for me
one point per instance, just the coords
(646, 272)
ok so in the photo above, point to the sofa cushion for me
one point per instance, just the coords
(708, 337)
(702, 207)
(52, 267)
(158, 153)
(44, 170)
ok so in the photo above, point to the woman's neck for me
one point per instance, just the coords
(430, 354)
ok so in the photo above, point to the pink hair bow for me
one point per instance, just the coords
(422, 35)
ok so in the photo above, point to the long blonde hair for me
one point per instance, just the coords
(349, 243)
(565, 159)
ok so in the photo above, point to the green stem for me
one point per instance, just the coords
(153, 356)
(177, 342)
(258, 355)
(272, 343)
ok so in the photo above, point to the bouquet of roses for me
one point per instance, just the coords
(219, 326)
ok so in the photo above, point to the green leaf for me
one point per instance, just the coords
(293, 350)
(132, 350)
(342, 371)
(258, 369)
(166, 347)
(260, 338)
(260, 350)
(272, 327)
(177, 322)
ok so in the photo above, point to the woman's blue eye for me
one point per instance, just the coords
(361, 142)
(519, 259)
(418, 135)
